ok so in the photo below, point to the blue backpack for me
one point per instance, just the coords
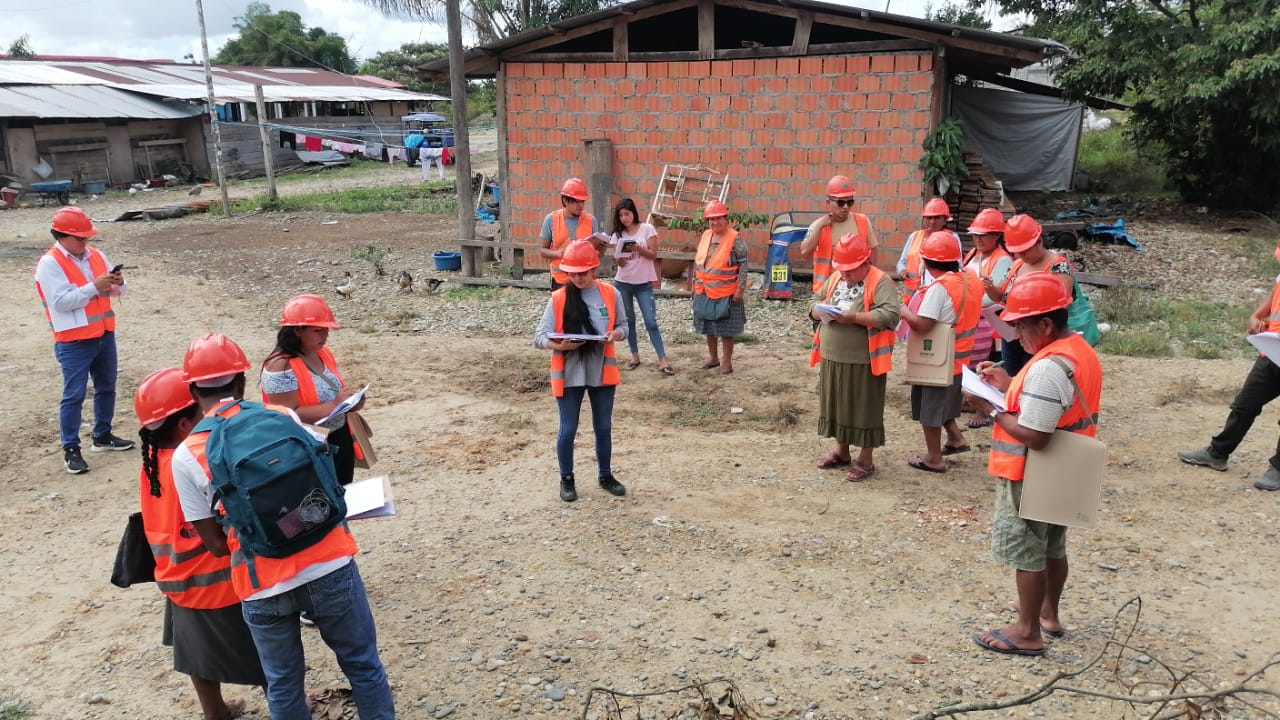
(277, 484)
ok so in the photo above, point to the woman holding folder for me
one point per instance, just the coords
(302, 374)
(580, 326)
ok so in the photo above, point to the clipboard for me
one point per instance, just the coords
(991, 313)
(931, 356)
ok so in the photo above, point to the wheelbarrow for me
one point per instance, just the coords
(58, 191)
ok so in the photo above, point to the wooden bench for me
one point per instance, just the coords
(473, 254)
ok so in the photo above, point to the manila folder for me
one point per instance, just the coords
(931, 356)
(1062, 484)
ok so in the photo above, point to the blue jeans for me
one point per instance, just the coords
(570, 405)
(338, 605)
(643, 294)
(81, 360)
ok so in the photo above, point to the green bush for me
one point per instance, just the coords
(1110, 156)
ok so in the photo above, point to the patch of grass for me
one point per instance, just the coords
(374, 255)
(787, 415)
(358, 168)
(1111, 157)
(694, 410)
(686, 338)
(414, 199)
(747, 339)
(472, 292)
(1136, 343)
(402, 317)
(13, 709)
(366, 329)
(1144, 325)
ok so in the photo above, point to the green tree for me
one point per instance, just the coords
(493, 20)
(954, 14)
(21, 48)
(281, 40)
(1203, 77)
(401, 65)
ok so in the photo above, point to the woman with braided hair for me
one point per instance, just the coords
(202, 620)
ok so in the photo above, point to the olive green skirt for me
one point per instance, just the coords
(851, 403)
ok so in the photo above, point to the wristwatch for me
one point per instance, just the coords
(994, 412)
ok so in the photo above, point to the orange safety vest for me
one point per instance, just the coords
(560, 238)
(915, 264)
(1016, 267)
(822, 254)
(190, 575)
(988, 265)
(270, 571)
(714, 276)
(879, 342)
(610, 376)
(307, 387)
(965, 291)
(101, 318)
(1008, 456)
(1273, 317)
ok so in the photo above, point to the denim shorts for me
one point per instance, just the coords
(1022, 544)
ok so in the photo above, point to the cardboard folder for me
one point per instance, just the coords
(1062, 483)
(931, 356)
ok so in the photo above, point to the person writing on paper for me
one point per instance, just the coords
(578, 367)
(954, 298)
(990, 262)
(857, 311)
(202, 615)
(1043, 397)
(719, 285)
(302, 374)
(561, 227)
(637, 255)
(1261, 386)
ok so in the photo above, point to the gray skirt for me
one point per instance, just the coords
(212, 644)
(731, 326)
(851, 403)
(934, 406)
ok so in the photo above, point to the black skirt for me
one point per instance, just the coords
(212, 644)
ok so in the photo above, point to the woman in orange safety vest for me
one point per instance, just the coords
(719, 283)
(302, 374)
(857, 309)
(202, 618)
(990, 262)
(580, 326)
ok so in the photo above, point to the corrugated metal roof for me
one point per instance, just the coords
(86, 101)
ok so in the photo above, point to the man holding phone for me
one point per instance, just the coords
(76, 287)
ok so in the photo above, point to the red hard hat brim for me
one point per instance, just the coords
(1023, 247)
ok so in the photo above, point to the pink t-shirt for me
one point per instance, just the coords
(639, 269)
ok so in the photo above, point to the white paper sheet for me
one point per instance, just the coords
(1268, 343)
(369, 498)
(1000, 327)
(972, 383)
(575, 337)
(828, 309)
(345, 405)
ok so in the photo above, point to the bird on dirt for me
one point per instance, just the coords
(433, 284)
(405, 280)
(133, 191)
(347, 287)
(195, 190)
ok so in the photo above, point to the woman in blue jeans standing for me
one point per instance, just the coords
(637, 255)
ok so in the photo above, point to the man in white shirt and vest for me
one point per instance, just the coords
(76, 284)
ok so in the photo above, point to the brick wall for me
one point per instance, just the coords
(779, 127)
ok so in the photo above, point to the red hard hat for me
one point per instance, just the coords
(161, 394)
(715, 209)
(308, 311)
(941, 246)
(580, 256)
(73, 221)
(574, 188)
(212, 356)
(1035, 294)
(840, 187)
(989, 220)
(1021, 232)
(850, 253)
(937, 207)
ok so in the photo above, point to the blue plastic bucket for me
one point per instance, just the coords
(447, 260)
(94, 187)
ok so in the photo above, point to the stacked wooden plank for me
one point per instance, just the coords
(978, 191)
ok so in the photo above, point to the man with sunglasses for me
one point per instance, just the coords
(839, 221)
(561, 227)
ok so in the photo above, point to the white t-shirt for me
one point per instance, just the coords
(195, 492)
(936, 305)
(639, 269)
(1046, 394)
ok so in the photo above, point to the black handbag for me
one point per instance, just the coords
(704, 308)
(134, 562)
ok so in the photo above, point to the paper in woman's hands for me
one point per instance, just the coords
(345, 406)
(828, 310)
(576, 337)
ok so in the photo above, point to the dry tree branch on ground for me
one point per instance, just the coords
(1175, 703)
(729, 705)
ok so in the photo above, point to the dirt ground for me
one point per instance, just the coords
(731, 557)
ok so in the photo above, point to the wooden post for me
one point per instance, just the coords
(599, 166)
(461, 139)
(213, 113)
(268, 161)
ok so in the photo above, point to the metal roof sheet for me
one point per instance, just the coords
(86, 101)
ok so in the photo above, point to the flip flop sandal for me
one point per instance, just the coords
(918, 463)
(859, 472)
(710, 365)
(954, 449)
(667, 370)
(726, 371)
(1009, 647)
(833, 461)
(632, 364)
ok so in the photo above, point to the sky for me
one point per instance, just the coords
(169, 30)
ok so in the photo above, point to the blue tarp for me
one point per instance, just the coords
(1113, 234)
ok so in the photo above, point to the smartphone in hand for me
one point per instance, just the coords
(117, 268)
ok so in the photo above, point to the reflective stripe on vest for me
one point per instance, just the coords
(915, 265)
(1273, 320)
(822, 254)
(610, 374)
(879, 342)
(988, 265)
(269, 571)
(99, 317)
(186, 572)
(1008, 458)
(560, 238)
(714, 276)
(965, 291)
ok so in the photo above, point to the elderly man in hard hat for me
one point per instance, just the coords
(910, 264)
(76, 283)
(1060, 388)
(839, 221)
(560, 227)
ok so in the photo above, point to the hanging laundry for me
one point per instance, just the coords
(373, 151)
(446, 156)
(289, 140)
(314, 144)
(431, 156)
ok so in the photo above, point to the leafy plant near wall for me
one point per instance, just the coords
(943, 159)
(697, 223)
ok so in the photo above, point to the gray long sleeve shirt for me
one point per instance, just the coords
(585, 366)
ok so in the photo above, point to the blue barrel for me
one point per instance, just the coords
(446, 260)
